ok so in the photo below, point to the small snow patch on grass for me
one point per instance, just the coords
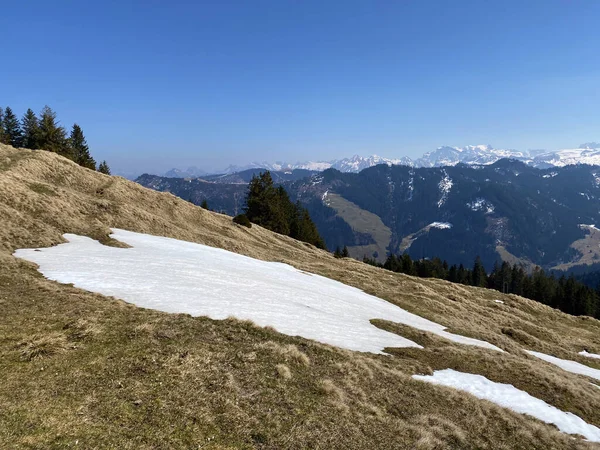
(508, 396)
(569, 366)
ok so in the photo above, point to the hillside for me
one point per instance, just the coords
(79, 368)
(506, 210)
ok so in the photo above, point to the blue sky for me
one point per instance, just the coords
(158, 84)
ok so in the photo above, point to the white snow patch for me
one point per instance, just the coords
(444, 185)
(182, 277)
(499, 301)
(441, 225)
(569, 366)
(508, 396)
(481, 204)
(550, 175)
(325, 195)
(589, 355)
(591, 227)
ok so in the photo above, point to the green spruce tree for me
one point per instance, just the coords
(103, 168)
(479, 275)
(52, 136)
(31, 130)
(79, 148)
(12, 128)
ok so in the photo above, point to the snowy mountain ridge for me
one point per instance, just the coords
(588, 153)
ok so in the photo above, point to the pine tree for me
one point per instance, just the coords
(479, 275)
(345, 253)
(79, 148)
(204, 204)
(52, 136)
(338, 253)
(31, 130)
(12, 128)
(103, 168)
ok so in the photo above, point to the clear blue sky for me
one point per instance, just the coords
(157, 84)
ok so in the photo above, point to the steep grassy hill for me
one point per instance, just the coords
(80, 370)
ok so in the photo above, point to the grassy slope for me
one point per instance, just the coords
(362, 221)
(80, 367)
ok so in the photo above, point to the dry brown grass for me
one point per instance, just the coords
(79, 367)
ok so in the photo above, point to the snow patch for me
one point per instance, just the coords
(182, 277)
(325, 195)
(569, 366)
(481, 204)
(508, 396)
(589, 355)
(441, 225)
(590, 227)
(499, 301)
(444, 185)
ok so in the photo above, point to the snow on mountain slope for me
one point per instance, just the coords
(182, 277)
(508, 396)
(470, 154)
(589, 355)
(568, 157)
(569, 366)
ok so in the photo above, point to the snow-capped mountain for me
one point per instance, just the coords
(470, 154)
(588, 153)
(354, 164)
(358, 163)
(190, 172)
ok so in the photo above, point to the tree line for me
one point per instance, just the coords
(564, 293)
(44, 132)
(270, 207)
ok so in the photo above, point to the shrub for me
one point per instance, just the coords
(242, 219)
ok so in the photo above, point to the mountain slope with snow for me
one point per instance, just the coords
(82, 369)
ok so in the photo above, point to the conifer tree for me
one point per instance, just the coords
(12, 128)
(479, 275)
(103, 168)
(79, 148)
(3, 136)
(337, 253)
(52, 136)
(31, 130)
(204, 204)
(345, 253)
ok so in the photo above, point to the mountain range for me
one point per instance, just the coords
(507, 210)
(588, 153)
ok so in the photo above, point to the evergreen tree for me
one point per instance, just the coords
(103, 168)
(31, 130)
(12, 128)
(479, 275)
(3, 136)
(265, 204)
(204, 204)
(52, 136)
(79, 148)
(338, 253)
(345, 253)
